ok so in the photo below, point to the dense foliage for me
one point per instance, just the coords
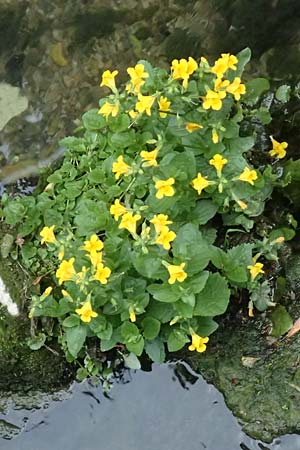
(131, 233)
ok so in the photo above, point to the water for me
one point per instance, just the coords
(145, 410)
(54, 52)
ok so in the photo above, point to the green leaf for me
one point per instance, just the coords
(155, 350)
(93, 121)
(281, 321)
(96, 176)
(285, 232)
(75, 339)
(283, 93)
(263, 115)
(261, 296)
(129, 331)
(176, 340)
(136, 347)
(91, 217)
(131, 361)
(6, 245)
(214, 298)
(36, 342)
(28, 250)
(206, 326)
(191, 247)
(243, 57)
(254, 89)
(119, 123)
(148, 265)
(71, 321)
(203, 212)
(151, 327)
(14, 212)
(101, 327)
(164, 292)
(196, 284)
(163, 312)
(52, 217)
(81, 374)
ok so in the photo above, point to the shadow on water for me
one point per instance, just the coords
(168, 408)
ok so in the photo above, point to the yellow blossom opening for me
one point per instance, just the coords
(242, 204)
(183, 69)
(255, 270)
(108, 79)
(221, 84)
(80, 276)
(132, 113)
(164, 106)
(218, 162)
(236, 88)
(159, 221)
(192, 126)
(213, 100)
(86, 312)
(278, 149)
(108, 109)
(215, 137)
(117, 209)
(248, 176)
(66, 271)
(150, 157)
(164, 188)
(225, 62)
(120, 167)
(165, 237)
(47, 235)
(61, 254)
(102, 273)
(199, 183)
(95, 257)
(198, 343)
(176, 273)
(279, 240)
(129, 221)
(145, 104)
(137, 76)
(132, 315)
(47, 292)
(94, 244)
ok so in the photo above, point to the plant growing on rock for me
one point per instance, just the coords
(131, 232)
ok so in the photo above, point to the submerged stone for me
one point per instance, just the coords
(12, 103)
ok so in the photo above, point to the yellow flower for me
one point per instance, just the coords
(192, 126)
(278, 149)
(255, 270)
(176, 273)
(236, 88)
(150, 157)
(213, 100)
(133, 113)
(66, 294)
(61, 254)
(86, 312)
(242, 204)
(120, 167)
(132, 315)
(47, 292)
(102, 273)
(137, 75)
(164, 106)
(204, 61)
(279, 240)
(198, 343)
(164, 188)
(66, 271)
(159, 221)
(108, 109)
(108, 79)
(218, 162)
(183, 69)
(221, 84)
(199, 183)
(117, 209)
(248, 176)
(129, 221)
(47, 235)
(145, 103)
(224, 63)
(95, 257)
(215, 137)
(94, 244)
(165, 237)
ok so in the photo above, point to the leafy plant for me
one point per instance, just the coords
(131, 231)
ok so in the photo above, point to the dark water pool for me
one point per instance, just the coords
(154, 410)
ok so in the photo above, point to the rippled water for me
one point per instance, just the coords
(147, 410)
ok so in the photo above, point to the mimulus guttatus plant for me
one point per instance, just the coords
(129, 238)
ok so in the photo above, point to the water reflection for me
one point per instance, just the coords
(145, 410)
